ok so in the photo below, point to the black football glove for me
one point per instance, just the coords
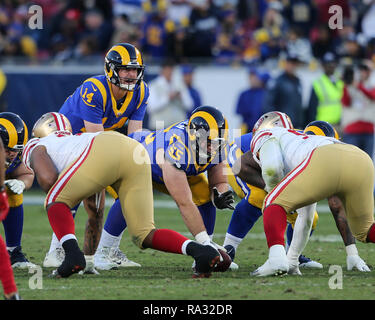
(223, 200)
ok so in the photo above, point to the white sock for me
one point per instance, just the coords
(232, 241)
(11, 248)
(108, 240)
(183, 248)
(55, 243)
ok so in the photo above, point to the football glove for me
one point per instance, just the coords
(15, 185)
(223, 200)
(4, 205)
(356, 262)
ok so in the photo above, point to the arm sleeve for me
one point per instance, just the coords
(272, 163)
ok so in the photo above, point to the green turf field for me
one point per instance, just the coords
(166, 276)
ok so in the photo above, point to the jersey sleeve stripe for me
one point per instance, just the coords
(286, 180)
(256, 139)
(102, 90)
(142, 94)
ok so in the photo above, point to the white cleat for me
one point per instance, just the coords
(23, 265)
(121, 259)
(271, 269)
(276, 264)
(310, 264)
(233, 266)
(103, 261)
(54, 258)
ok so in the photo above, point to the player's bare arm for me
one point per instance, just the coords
(249, 171)
(221, 196)
(94, 206)
(339, 215)
(93, 127)
(24, 174)
(178, 187)
(45, 171)
(134, 125)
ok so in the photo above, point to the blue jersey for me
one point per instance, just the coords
(93, 101)
(177, 150)
(13, 165)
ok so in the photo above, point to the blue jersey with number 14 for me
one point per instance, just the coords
(94, 102)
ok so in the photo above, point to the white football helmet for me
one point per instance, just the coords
(273, 119)
(51, 122)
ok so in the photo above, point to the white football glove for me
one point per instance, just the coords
(355, 261)
(15, 185)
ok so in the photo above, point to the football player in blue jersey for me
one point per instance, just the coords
(248, 210)
(14, 135)
(180, 156)
(101, 103)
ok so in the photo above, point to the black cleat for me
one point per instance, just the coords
(74, 260)
(15, 296)
(230, 251)
(206, 258)
(18, 259)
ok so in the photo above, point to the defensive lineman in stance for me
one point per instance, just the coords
(300, 170)
(110, 155)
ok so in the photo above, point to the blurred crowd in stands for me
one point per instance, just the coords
(219, 31)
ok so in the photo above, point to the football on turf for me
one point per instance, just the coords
(224, 263)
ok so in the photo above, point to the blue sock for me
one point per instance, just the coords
(115, 222)
(74, 210)
(243, 218)
(208, 213)
(13, 226)
(289, 234)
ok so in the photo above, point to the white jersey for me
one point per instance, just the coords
(294, 146)
(62, 147)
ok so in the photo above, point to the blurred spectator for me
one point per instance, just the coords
(368, 21)
(250, 101)
(166, 99)
(300, 14)
(125, 31)
(131, 8)
(155, 30)
(191, 97)
(358, 116)
(202, 26)
(96, 27)
(3, 83)
(285, 92)
(326, 93)
(298, 44)
(228, 42)
(322, 41)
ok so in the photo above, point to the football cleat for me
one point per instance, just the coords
(103, 260)
(305, 262)
(232, 253)
(276, 264)
(18, 259)
(54, 258)
(73, 263)
(121, 259)
(271, 268)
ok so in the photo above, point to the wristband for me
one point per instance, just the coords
(351, 250)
